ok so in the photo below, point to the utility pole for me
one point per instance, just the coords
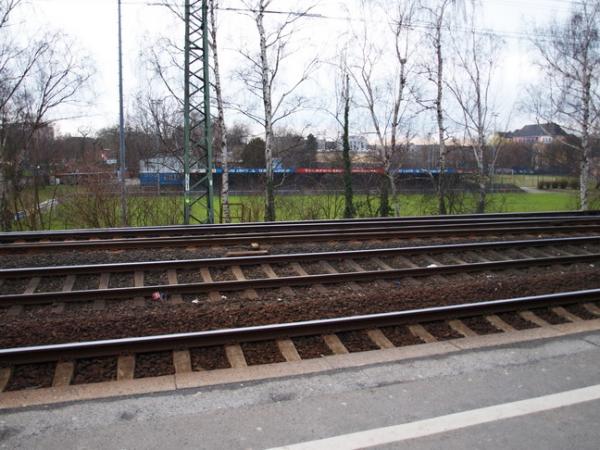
(198, 155)
(122, 162)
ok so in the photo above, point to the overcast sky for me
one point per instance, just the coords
(93, 25)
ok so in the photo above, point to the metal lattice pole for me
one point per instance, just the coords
(198, 157)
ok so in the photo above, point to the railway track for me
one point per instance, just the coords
(212, 276)
(422, 325)
(349, 231)
(262, 227)
(554, 243)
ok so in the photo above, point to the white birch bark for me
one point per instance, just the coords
(222, 140)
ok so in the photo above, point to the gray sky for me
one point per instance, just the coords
(93, 25)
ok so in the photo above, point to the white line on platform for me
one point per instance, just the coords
(450, 422)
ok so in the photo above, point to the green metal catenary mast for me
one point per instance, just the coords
(198, 156)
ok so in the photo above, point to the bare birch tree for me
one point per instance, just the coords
(569, 55)
(220, 137)
(349, 209)
(340, 112)
(438, 12)
(260, 79)
(387, 98)
(476, 58)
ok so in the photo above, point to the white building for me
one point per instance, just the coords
(358, 144)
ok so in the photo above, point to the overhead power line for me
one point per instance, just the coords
(518, 35)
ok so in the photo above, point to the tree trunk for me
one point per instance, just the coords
(585, 140)
(6, 216)
(441, 187)
(222, 141)
(388, 164)
(349, 211)
(481, 180)
(266, 87)
(384, 197)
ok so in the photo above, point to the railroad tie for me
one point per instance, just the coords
(300, 270)
(499, 323)
(332, 270)
(68, 284)
(564, 250)
(63, 373)
(268, 270)
(288, 350)
(33, 284)
(5, 373)
(592, 308)
(172, 279)
(411, 265)
(100, 304)
(213, 296)
(380, 339)
(125, 367)
(577, 250)
(534, 318)
(250, 294)
(480, 257)
(430, 260)
(235, 356)
(182, 361)
(494, 254)
(420, 332)
(521, 254)
(138, 281)
(542, 252)
(356, 266)
(382, 264)
(460, 327)
(562, 312)
(335, 344)
(457, 260)
(500, 257)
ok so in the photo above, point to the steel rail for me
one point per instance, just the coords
(270, 283)
(109, 233)
(335, 235)
(22, 272)
(113, 347)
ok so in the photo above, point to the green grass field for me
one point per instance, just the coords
(87, 210)
(298, 207)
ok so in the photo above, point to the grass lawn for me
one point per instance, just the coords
(298, 207)
(86, 211)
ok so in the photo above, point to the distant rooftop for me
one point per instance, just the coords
(544, 129)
